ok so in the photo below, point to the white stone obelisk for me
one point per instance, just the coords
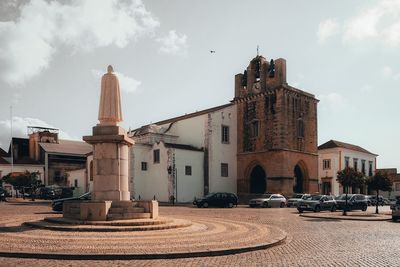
(110, 145)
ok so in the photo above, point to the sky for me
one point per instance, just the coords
(53, 53)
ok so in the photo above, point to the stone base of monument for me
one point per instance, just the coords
(110, 210)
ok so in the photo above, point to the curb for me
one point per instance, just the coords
(148, 256)
(348, 218)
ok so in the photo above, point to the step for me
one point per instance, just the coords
(126, 210)
(123, 204)
(126, 216)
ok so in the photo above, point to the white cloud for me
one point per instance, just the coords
(126, 83)
(28, 44)
(379, 21)
(173, 43)
(327, 29)
(20, 125)
(333, 101)
(388, 72)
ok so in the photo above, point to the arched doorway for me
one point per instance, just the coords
(298, 183)
(258, 184)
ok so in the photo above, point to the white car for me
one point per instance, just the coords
(396, 210)
(268, 201)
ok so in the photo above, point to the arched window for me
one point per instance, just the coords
(91, 170)
(300, 128)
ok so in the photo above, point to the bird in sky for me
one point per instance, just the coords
(212, 51)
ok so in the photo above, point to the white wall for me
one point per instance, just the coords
(189, 131)
(80, 176)
(337, 157)
(222, 153)
(189, 186)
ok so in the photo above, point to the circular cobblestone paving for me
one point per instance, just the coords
(310, 241)
(204, 236)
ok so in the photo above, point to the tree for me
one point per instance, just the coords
(26, 179)
(380, 181)
(349, 177)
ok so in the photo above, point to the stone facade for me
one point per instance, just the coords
(276, 132)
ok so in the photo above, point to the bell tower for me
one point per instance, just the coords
(277, 131)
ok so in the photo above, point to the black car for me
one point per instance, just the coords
(3, 194)
(219, 199)
(57, 204)
(354, 202)
(46, 193)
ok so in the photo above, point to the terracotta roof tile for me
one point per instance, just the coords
(67, 147)
(334, 143)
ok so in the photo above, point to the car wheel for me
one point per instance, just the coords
(282, 205)
(300, 210)
(333, 209)
(364, 208)
(230, 205)
(265, 205)
(317, 209)
(205, 205)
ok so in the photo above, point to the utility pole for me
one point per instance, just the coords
(11, 143)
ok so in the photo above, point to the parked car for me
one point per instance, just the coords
(3, 194)
(368, 198)
(354, 202)
(373, 200)
(396, 210)
(294, 200)
(46, 193)
(218, 199)
(317, 203)
(57, 204)
(268, 201)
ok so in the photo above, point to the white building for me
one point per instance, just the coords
(334, 156)
(185, 157)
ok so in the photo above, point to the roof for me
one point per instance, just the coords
(194, 114)
(181, 146)
(3, 161)
(334, 144)
(67, 147)
(3, 153)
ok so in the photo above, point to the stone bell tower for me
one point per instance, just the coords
(277, 131)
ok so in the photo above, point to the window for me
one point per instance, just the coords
(355, 164)
(346, 162)
(327, 164)
(156, 156)
(144, 166)
(76, 183)
(188, 170)
(224, 170)
(370, 169)
(91, 171)
(396, 186)
(254, 129)
(363, 166)
(225, 134)
(300, 128)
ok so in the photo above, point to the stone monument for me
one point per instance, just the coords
(110, 198)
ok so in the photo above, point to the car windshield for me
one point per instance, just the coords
(316, 197)
(267, 196)
(210, 195)
(343, 197)
(297, 196)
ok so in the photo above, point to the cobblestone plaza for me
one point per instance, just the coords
(309, 242)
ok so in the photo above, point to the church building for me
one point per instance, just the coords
(264, 140)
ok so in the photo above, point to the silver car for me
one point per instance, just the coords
(396, 210)
(317, 203)
(294, 200)
(268, 201)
